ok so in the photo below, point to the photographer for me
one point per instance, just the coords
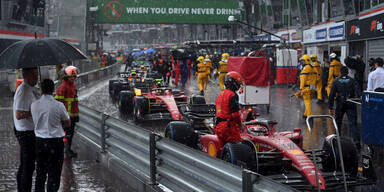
(358, 66)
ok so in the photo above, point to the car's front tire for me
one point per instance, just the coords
(181, 132)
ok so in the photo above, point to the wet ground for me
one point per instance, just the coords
(81, 174)
(78, 175)
(286, 110)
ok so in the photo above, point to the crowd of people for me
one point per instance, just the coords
(180, 65)
(340, 83)
(44, 128)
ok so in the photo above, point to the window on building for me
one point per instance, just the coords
(374, 3)
(336, 8)
(269, 10)
(348, 7)
(277, 13)
(367, 4)
(286, 4)
(315, 13)
(262, 9)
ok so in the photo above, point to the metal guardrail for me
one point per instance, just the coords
(164, 161)
(97, 74)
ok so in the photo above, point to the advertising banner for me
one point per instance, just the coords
(371, 27)
(290, 36)
(164, 11)
(325, 32)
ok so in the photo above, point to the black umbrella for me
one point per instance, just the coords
(38, 52)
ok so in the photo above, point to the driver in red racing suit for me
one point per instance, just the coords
(227, 109)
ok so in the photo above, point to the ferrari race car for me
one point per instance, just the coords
(157, 104)
(128, 81)
(278, 155)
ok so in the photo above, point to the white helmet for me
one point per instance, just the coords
(333, 55)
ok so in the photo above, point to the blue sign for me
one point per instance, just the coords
(262, 38)
(321, 34)
(372, 118)
(336, 32)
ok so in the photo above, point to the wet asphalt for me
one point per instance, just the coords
(284, 109)
(80, 175)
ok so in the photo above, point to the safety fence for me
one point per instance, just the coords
(90, 77)
(165, 162)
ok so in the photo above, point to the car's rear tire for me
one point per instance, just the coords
(197, 99)
(238, 154)
(111, 86)
(181, 132)
(140, 107)
(116, 90)
(331, 159)
(126, 102)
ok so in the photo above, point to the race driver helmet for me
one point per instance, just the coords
(71, 71)
(233, 81)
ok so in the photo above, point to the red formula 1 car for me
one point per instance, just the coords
(278, 155)
(157, 104)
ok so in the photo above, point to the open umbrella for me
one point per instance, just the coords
(38, 52)
(149, 51)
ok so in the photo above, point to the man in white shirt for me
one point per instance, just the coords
(25, 94)
(49, 117)
(376, 77)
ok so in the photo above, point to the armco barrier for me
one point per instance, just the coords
(164, 161)
(90, 77)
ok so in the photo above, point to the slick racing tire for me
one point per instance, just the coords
(126, 102)
(237, 154)
(140, 107)
(181, 132)
(111, 86)
(331, 159)
(116, 90)
(197, 99)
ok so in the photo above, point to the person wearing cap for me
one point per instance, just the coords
(67, 94)
(334, 71)
(49, 116)
(24, 96)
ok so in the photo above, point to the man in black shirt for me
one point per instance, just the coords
(344, 88)
(358, 66)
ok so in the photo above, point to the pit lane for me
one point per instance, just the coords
(287, 111)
